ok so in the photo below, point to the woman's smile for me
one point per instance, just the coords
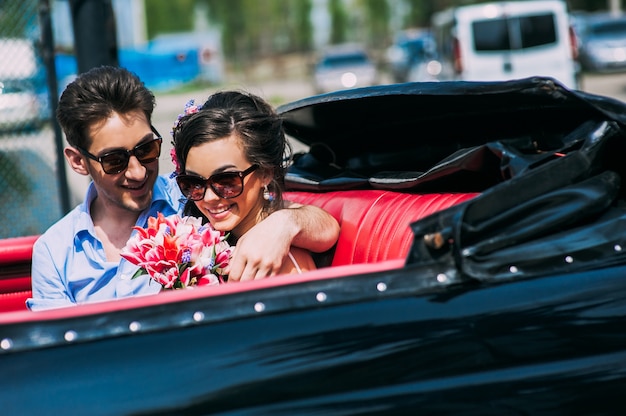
(219, 211)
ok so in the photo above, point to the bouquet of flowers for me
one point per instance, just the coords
(179, 252)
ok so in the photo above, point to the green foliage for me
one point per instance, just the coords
(167, 16)
(257, 28)
(338, 21)
(252, 28)
(419, 12)
(17, 17)
(303, 28)
(377, 14)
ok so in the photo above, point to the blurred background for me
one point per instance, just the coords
(283, 50)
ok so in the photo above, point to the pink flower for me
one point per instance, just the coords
(179, 252)
(190, 108)
(177, 169)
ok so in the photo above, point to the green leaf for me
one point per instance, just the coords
(140, 272)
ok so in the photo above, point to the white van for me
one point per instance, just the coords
(507, 40)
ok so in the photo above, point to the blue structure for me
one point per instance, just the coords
(159, 71)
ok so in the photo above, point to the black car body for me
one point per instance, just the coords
(512, 302)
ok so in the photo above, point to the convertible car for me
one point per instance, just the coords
(480, 270)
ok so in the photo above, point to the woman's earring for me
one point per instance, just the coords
(267, 195)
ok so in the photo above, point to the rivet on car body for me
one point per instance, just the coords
(381, 286)
(569, 259)
(321, 297)
(513, 269)
(198, 316)
(134, 326)
(70, 336)
(617, 247)
(442, 278)
(259, 306)
(6, 344)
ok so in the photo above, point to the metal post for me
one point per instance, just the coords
(95, 40)
(47, 52)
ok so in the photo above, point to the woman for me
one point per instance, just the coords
(230, 153)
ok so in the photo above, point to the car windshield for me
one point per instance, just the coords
(8, 87)
(608, 28)
(344, 60)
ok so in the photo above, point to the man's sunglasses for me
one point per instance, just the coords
(117, 160)
(225, 185)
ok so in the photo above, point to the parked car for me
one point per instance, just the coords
(480, 269)
(24, 102)
(424, 70)
(344, 67)
(20, 106)
(410, 55)
(19, 58)
(602, 43)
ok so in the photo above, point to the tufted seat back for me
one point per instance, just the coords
(15, 261)
(375, 224)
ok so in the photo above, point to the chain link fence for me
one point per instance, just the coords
(29, 189)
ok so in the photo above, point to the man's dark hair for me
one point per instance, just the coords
(95, 95)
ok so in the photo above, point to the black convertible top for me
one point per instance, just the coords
(399, 136)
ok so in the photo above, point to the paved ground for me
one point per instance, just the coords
(611, 85)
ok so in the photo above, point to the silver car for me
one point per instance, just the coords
(19, 106)
(344, 67)
(602, 40)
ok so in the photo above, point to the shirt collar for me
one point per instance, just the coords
(164, 193)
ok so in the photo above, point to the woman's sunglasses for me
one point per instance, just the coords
(225, 185)
(117, 160)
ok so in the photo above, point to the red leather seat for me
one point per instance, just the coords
(15, 262)
(375, 224)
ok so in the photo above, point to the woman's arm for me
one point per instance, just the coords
(261, 251)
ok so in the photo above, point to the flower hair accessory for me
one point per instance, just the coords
(177, 169)
(190, 108)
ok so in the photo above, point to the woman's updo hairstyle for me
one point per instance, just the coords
(253, 120)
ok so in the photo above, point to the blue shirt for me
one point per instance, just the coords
(69, 264)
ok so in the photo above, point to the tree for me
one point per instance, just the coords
(338, 21)
(377, 15)
(303, 29)
(418, 13)
(18, 19)
(166, 16)
(230, 17)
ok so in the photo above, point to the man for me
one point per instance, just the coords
(106, 117)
